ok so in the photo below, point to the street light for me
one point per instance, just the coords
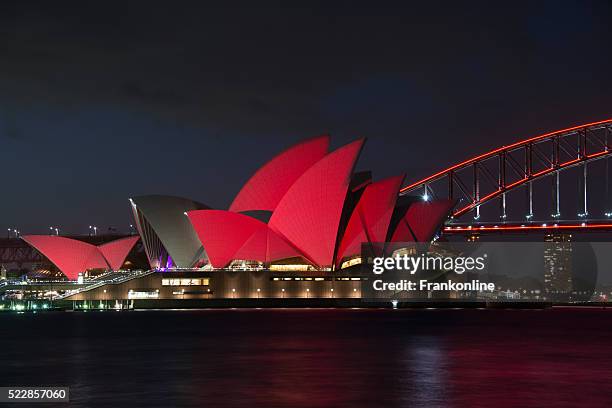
(258, 290)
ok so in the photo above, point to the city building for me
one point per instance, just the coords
(558, 267)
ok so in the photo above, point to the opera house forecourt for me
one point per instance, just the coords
(293, 233)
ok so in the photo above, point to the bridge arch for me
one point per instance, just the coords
(520, 164)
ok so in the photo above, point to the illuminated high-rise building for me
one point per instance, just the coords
(558, 267)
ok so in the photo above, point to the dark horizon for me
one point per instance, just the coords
(99, 104)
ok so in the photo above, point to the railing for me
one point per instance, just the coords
(115, 280)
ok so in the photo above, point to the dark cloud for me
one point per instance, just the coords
(9, 126)
(202, 83)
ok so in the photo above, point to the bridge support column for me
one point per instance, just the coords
(476, 191)
(582, 192)
(528, 168)
(501, 185)
(556, 193)
(502, 207)
(529, 215)
(608, 205)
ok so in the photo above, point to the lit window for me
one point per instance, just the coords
(143, 294)
(351, 262)
(191, 282)
(185, 282)
(290, 267)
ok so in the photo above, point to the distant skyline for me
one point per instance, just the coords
(101, 102)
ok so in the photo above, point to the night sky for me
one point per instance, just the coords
(103, 101)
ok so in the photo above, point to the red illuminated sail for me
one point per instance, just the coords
(370, 218)
(69, 255)
(268, 185)
(116, 251)
(309, 214)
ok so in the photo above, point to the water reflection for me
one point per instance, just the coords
(314, 358)
(424, 380)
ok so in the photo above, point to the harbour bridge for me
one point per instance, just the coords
(557, 182)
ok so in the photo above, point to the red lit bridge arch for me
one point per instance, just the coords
(493, 175)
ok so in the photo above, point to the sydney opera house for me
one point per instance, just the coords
(298, 228)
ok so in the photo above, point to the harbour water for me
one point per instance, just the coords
(314, 357)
